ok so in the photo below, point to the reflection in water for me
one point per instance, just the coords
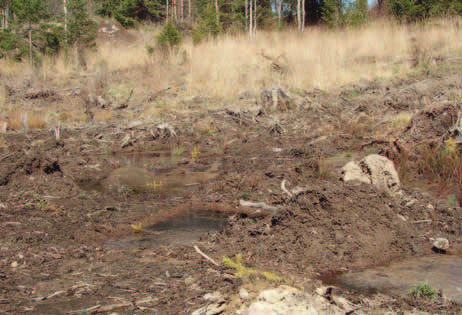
(177, 231)
(441, 271)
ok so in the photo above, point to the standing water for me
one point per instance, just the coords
(440, 271)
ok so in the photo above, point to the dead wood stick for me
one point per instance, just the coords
(284, 189)
(100, 309)
(295, 191)
(205, 256)
(421, 221)
(262, 205)
(49, 296)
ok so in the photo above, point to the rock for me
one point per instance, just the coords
(243, 294)
(351, 172)
(440, 244)
(259, 308)
(215, 296)
(286, 300)
(375, 170)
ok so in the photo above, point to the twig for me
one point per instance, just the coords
(205, 256)
(421, 221)
(262, 205)
(295, 191)
(284, 189)
(49, 296)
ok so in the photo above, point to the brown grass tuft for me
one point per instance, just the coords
(36, 121)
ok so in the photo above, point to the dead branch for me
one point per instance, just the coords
(49, 296)
(100, 309)
(205, 256)
(421, 221)
(163, 126)
(284, 189)
(262, 205)
(295, 191)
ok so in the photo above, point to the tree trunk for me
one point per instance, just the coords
(279, 11)
(250, 20)
(217, 11)
(299, 23)
(246, 13)
(255, 18)
(189, 9)
(30, 45)
(303, 15)
(65, 22)
(166, 10)
(174, 11)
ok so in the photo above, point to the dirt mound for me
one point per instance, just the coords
(343, 225)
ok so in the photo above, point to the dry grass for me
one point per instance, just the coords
(232, 65)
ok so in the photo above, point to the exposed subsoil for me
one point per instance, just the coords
(54, 253)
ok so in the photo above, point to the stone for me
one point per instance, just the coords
(375, 170)
(243, 294)
(441, 244)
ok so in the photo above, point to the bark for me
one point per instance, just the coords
(166, 9)
(299, 23)
(174, 10)
(217, 11)
(189, 9)
(279, 11)
(246, 14)
(255, 18)
(30, 45)
(303, 15)
(251, 20)
(65, 22)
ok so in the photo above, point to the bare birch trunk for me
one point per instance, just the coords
(303, 15)
(65, 22)
(255, 18)
(246, 13)
(174, 11)
(217, 12)
(299, 23)
(279, 11)
(30, 46)
(251, 20)
(189, 9)
(181, 10)
(166, 9)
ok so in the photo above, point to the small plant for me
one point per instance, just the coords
(450, 148)
(244, 196)
(178, 151)
(452, 201)
(242, 271)
(195, 153)
(423, 290)
(169, 39)
(83, 196)
(107, 150)
(137, 228)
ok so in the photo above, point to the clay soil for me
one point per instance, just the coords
(62, 248)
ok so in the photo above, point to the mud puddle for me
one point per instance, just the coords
(178, 231)
(440, 271)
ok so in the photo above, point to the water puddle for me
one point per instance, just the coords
(440, 271)
(148, 173)
(177, 231)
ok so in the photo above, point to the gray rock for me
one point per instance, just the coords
(286, 300)
(441, 243)
(375, 170)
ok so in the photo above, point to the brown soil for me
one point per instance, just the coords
(55, 234)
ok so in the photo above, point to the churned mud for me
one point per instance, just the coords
(104, 217)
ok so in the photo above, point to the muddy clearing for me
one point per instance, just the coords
(76, 239)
